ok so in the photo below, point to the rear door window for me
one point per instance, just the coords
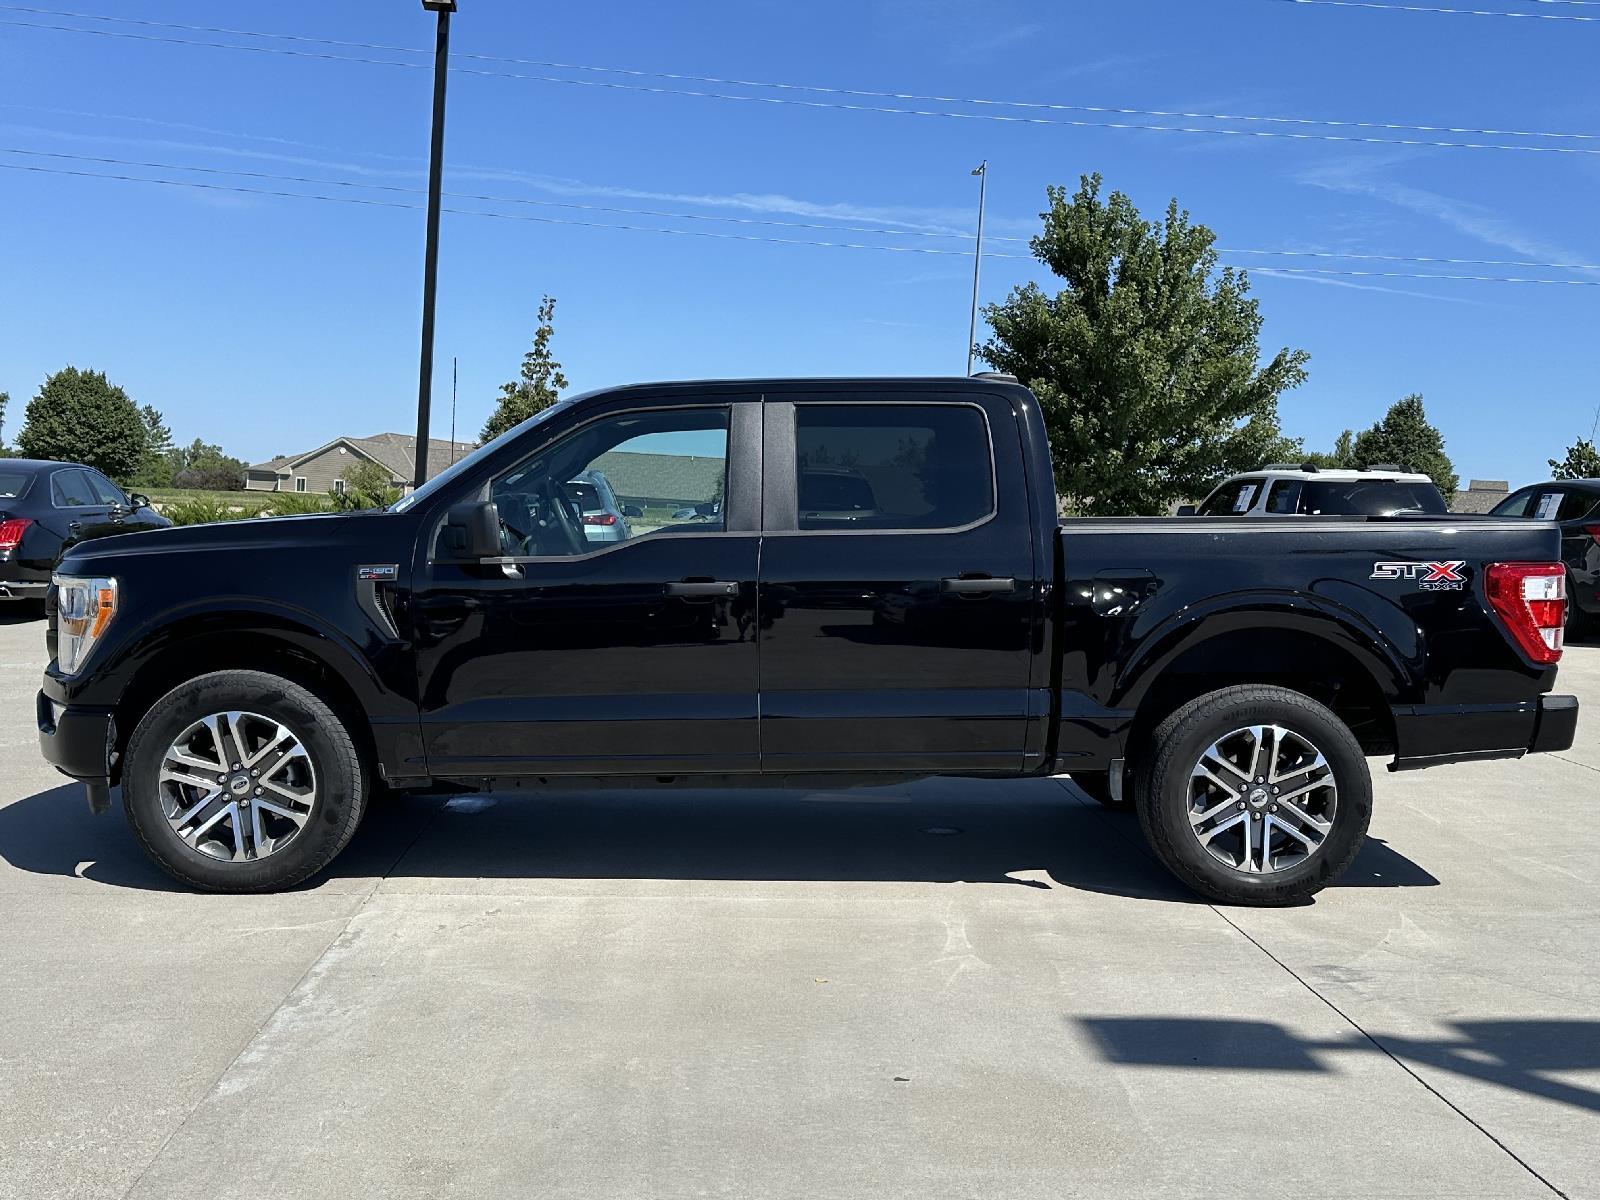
(1284, 497)
(71, 490)
(892, 466)
(13, 484)
(1235, 496)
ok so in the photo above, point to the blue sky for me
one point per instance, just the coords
(273, 324)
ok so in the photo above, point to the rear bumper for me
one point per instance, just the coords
(78, 742)
(1428, 735)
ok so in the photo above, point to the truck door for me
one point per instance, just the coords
(897, 599)
(605, 642)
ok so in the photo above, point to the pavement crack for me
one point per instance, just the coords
(1389, 1054)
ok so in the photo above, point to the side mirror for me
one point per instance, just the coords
(632, 510)
(1185, 510)
(472, 531)
(138, 500)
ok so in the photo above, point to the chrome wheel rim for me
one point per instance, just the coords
(1262, 799)
(237, 786)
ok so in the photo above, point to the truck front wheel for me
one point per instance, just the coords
(241, 781)
(1254, 795)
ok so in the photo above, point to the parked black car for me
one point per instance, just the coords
(1575, 505)
(249, 684)
(46, 507)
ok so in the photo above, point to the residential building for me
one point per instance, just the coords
(1480, 495)
(322, 469)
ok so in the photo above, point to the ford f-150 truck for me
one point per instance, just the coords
(826, 582)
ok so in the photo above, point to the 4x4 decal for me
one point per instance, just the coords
(1430, 576)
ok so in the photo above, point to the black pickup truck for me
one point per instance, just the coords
(793, 582)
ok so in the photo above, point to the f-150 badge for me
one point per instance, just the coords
(1430, 576)
(382, 573)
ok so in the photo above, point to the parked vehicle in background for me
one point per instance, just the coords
(604, 517)
(1574, 504)
(836, 496)
(46, 507)
(249, 684)
(1310, 491)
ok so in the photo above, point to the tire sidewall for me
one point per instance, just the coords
(338, 774)
(1164, 800)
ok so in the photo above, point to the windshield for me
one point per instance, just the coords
(465, 466)
(1374, 498)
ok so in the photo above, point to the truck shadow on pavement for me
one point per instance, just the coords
(1514, 1054)
(1028, 833)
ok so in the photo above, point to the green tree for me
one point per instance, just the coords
(540, 385)
(205, 467)
(1582, 462)
(1405, 439)
(1146, 364)
(157, 465)
(81, 416)
(5, 399)
(1342, 455)
(366, 485)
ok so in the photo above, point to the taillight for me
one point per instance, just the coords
(600, 518)
(11, 531)
(1531, 598)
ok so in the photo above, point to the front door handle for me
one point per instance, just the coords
(703, 587)
(965, 585)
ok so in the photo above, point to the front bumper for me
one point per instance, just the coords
(80, 743)
(1427, 735)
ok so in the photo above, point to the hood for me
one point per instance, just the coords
(252, 534)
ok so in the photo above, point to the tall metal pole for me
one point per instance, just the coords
(455, 378)
(430, 267)
(982, 172)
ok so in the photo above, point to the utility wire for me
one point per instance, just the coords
(790, 101)
(738, 237)
(759, 221)
(829, 91)
(1424, 8)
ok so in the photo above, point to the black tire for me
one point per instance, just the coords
(1097, 786)
(341, 792)
(1163, 787)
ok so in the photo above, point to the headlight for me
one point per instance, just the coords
(84, 607)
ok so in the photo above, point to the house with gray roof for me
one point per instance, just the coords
(1480, 495)
(322, 469)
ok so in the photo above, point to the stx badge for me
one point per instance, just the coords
(385, 572)
(1430, 576)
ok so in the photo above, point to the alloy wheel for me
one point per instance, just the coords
(1262, 799)
(237, 786)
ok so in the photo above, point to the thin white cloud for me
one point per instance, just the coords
(1466, 217)
(1258, 272)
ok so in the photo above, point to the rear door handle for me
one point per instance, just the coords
(964, 586)
(703, 587)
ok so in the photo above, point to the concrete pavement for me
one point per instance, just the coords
(692, 994)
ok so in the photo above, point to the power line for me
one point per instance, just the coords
(758, 221)
(1424, 8)
(867, 108)
(834, 91)
(738, 237)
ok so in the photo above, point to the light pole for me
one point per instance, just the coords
(430, 263)
(982, 172)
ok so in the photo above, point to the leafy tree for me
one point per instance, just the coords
(1405, 439)
(207, 468)
(540, 385)
(158, 464)
(366, 485)
(1146, 364)
(80, 416)
(1582, 462)
(1342, 455)
(5, 399)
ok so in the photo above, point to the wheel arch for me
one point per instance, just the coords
(1330, 656)
(247, 641)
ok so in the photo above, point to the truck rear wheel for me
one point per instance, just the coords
(1255, 795)
(241, 781)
